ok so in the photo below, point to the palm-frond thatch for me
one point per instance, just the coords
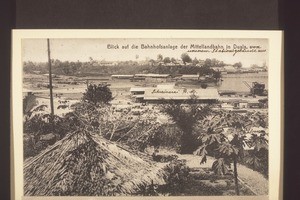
(87, 164)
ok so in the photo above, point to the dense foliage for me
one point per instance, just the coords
(97, 94)
(95, 68)
(185, 58)
(185, 117)
(225, 136)
(177, 177)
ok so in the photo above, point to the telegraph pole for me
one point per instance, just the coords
(50, 79)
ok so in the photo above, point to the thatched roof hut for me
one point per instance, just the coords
(82, 164)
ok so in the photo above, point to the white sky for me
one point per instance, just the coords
(81, 49)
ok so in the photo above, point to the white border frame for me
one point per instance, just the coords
(275, 78)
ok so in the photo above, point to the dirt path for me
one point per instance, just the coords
(250, 178)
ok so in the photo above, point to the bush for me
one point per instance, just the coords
(204, 85)
(29, 146)
(41, 125)
(177, 177)
(97, 94)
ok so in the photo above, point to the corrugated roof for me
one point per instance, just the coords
(153, 75)
(190, 76)
(139, 96)
(234, 100)
(139, 89)
(121, 75)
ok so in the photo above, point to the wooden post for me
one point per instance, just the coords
(50, 79)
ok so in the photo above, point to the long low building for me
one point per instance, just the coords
(190, 77)
(122, 76)
(153, 75)
(158, 78)
(165, 94)
(141, 90)
(203, 95)
(138, 90)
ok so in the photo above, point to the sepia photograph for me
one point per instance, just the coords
(145, 116)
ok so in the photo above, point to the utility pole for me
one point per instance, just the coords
(87, 83)
(50, 80)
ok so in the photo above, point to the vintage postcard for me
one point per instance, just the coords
(146, 113)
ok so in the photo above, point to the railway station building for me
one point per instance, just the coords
(166, 94)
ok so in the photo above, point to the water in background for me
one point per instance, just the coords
(234, 82)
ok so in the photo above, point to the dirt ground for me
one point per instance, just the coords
(250, 178)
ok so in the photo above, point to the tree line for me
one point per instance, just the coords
(161, 65)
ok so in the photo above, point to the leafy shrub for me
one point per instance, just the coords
(97, 94)
(41, 124)
(177, 177)
(204, 85)
(29, 146)
(148, 190)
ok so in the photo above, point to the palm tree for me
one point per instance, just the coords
(186, 116)
(151, 61)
